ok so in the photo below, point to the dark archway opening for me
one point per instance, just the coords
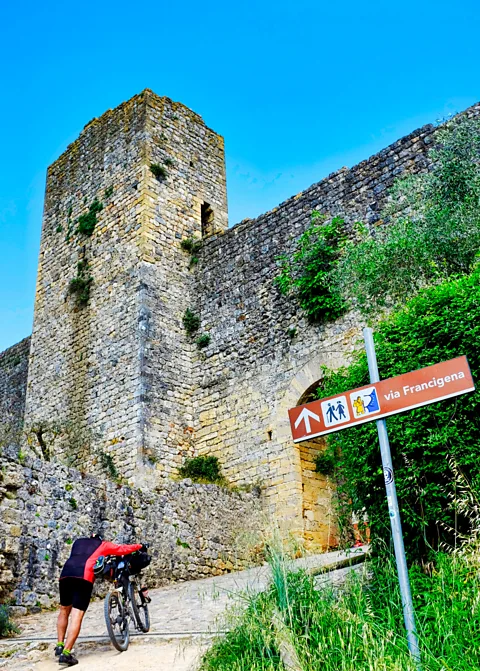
(207, 218)
(319, 518)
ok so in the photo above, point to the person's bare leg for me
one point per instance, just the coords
(62, 622)
(74, 628)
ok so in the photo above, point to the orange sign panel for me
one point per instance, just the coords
(380, 399)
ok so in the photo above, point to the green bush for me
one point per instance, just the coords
(306, 273)
(203, 340)
(191, 245)
(158, 170)
(88, 221)
(433, 230)
(201, 469)
(326, 462)
(80, 285)
(7, 627)
(108, 464)
(439, 324)
(191, 321)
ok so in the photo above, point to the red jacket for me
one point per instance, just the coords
(85, 552)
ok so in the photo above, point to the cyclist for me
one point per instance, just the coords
(76, 584)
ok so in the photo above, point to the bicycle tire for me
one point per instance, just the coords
(139, 609)
(115, 600)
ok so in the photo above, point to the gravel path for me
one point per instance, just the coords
(183, 615)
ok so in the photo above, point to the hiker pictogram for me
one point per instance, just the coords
(335, 411)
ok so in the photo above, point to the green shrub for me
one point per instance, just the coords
(307, 271)
(169, 162)
(439, 324)
(7, 627)
(80, 285)
(109, 191)
(203, 340)
(108, 465)
(191, 321)
(73, 503)
(159, 171)
(326, 461)
(88, 221)
(191, 245)
(203, 469)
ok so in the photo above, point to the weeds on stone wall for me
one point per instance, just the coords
(169, 162)
(7, 626)
(203, 340)
(191, 322)
(88, 221)
(326, 461)
(202, 469)
(80, 285)
(108, 464)
(109, 191)
(41, 437)
(307, 272)
(159, 171)
(192, 246)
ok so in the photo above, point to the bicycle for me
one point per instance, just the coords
(128, 601)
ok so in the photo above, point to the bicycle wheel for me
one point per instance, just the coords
(139, 606)
(116, 618)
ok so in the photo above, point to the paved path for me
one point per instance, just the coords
(190, 611)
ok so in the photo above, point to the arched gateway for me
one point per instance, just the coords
(315, 505)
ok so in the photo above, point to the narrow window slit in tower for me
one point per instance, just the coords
(207, 219)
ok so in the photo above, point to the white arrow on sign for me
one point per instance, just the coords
(304, 416)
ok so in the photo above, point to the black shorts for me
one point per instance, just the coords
(75, 592)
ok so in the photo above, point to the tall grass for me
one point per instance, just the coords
(294, 625)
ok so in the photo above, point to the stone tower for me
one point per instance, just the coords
(110, 362)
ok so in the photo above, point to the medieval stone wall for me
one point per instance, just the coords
(13, 385)
(194, 530)
(122, 371)
(263, 354)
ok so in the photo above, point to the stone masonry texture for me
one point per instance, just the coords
(119, 376)
(119, 369)
(13, 386)
(194, 530)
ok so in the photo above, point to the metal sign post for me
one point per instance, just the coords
(403, 579)
(372, 403)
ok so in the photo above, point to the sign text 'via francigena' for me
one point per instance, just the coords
(380, 399)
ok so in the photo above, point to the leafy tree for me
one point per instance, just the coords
(430, 444)
(432, 231)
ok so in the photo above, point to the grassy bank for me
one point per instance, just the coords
(295, 626)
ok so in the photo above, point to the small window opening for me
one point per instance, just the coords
(269, 434)
(207, 219)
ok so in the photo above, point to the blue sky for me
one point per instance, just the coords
(297, 89)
